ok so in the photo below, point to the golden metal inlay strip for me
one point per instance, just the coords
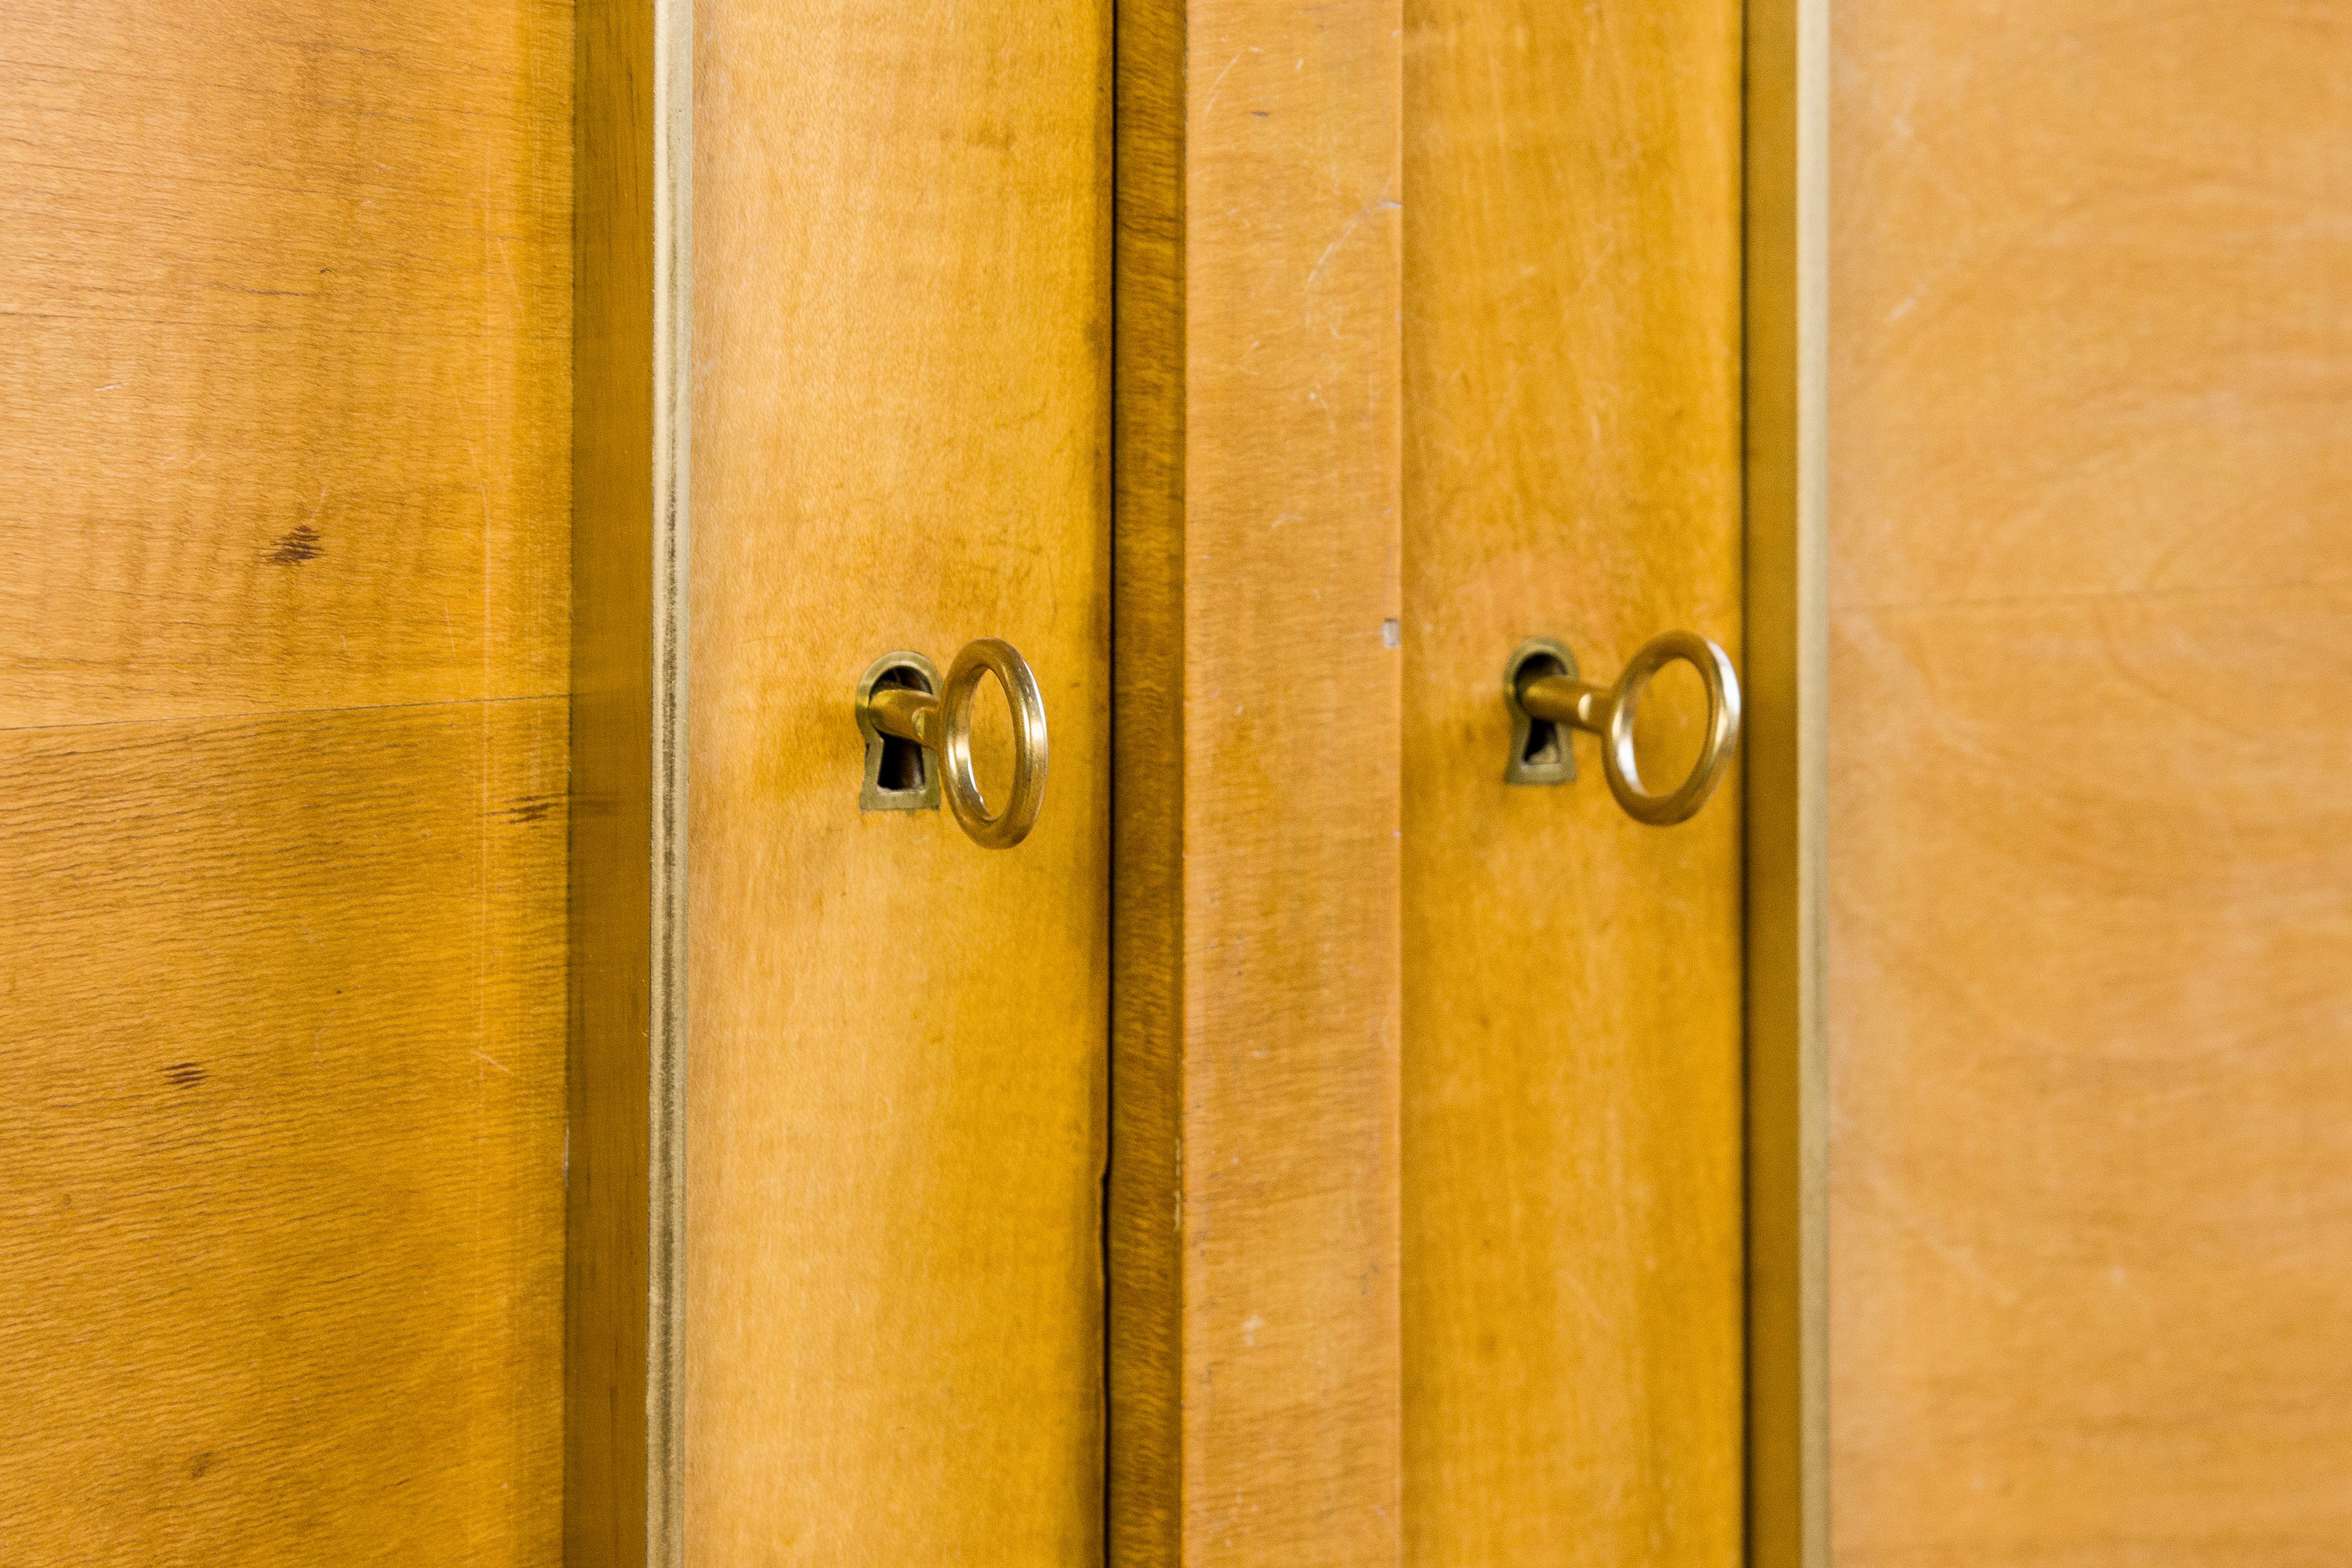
(1786, 666)
(673, 223)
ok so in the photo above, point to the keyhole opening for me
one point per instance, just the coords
(905, 764)
(1544, 741)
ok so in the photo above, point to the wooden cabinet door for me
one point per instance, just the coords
(2090, 933)
(840, 1070)
(896, 1049)
(1573, 1018)
(283, 714)
(1428, 1208)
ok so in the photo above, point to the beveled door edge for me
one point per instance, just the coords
(1787, 665)
(626, 1152)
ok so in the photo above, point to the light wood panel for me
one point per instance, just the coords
(1573, 979)
(283, 1168)
(2090, 938)
(285, 287)
(896, 1094)
(285, 410)
(1254, 1241)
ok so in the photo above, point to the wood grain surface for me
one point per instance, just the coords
(1254, 1242)
(2091, 895)
(1573, 979)
(898, 1073)
(283, 1175)
(285, 287)
(283, 769)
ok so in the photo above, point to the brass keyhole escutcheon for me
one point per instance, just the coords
(901, 771)
(1540, 753)
(1547, 700)
(903, 703)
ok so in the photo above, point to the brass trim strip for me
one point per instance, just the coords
(625, 1150)
(673, 220)
(1788, 679)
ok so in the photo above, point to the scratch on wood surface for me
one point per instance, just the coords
(1219, 85)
